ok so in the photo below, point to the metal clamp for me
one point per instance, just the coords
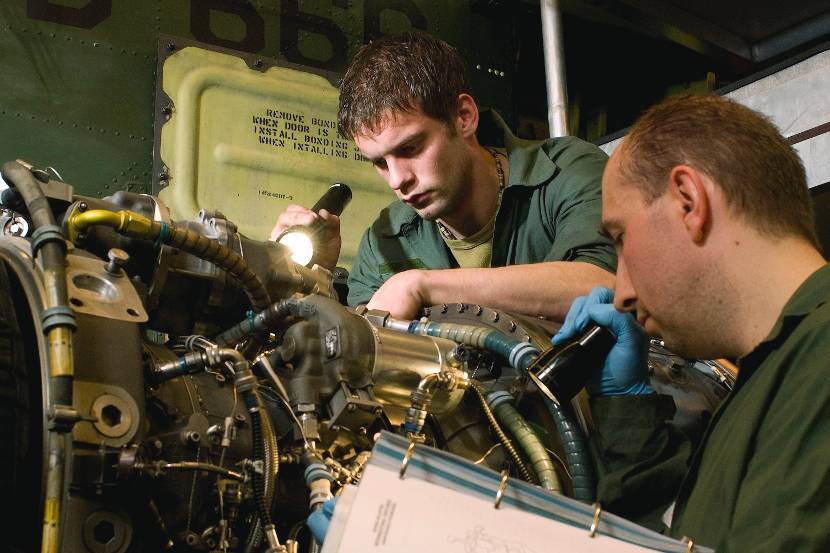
(592, 532)
(406, 457)
(502, 488)
(62, 418)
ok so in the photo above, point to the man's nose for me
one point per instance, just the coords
(400, 175)
(625, 298)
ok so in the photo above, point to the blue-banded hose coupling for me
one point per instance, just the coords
(415, 420)
(494, 399)
(189, 363)
(315, 471)
(319, 480)
(522, 355)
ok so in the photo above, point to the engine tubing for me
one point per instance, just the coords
(530, 443)
(576, 452)
(258, 477)
(58, 321)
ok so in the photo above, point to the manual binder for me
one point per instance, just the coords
(416, 498)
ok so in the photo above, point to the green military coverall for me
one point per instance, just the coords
(760, 480)
(551, 210)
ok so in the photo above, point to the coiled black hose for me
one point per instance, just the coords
(263, 320)
(136, 225)
(576, 452)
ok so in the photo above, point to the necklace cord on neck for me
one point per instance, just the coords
(500, 172)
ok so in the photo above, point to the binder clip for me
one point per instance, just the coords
(595, 523)
(502, 488)
(406, 457)
(690, 544)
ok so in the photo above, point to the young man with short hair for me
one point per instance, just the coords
(710, 213)
(483, 217)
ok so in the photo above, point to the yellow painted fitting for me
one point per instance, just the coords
(60, 351)
(51, 516)
(124, 221)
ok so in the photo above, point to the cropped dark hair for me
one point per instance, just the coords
(406, 72)
(759, 172)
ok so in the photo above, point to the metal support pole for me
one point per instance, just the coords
(555, 67)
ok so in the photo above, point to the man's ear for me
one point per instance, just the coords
(688, 191)
(466, 118)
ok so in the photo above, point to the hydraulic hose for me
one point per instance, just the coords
(258, 476)
(134, 225)
(264, 320)
(246, 384)
(421, 397)
(272, 467)
(518, 354)
(505, 441)
(58, 321)
(576, 453)
(534, 449)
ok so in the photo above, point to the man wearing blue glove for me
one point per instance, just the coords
(711, 216)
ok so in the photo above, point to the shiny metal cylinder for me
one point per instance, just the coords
(402, 360)
(555, 79)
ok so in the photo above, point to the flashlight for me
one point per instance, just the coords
(563, 370)
(300, 240)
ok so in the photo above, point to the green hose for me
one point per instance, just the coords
(534, 449)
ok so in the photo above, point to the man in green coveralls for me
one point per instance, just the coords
(711, 216)
(483, 217)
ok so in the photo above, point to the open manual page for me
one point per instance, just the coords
(427, 511)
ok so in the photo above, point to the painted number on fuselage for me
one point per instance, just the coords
(293, 21)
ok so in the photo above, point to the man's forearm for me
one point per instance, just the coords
(539, 289)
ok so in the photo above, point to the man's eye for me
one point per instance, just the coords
(409, 151)
(380, 163)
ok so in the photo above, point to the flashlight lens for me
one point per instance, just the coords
(300, 245)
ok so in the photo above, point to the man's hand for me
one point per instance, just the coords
(402, 295)
(625, 371)
(326, 227)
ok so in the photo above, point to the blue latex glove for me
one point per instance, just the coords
(318, 521)
(625, 371)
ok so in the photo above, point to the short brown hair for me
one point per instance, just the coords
(760, 173)
(404, 72)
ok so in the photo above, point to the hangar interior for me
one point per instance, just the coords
(173, 379)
